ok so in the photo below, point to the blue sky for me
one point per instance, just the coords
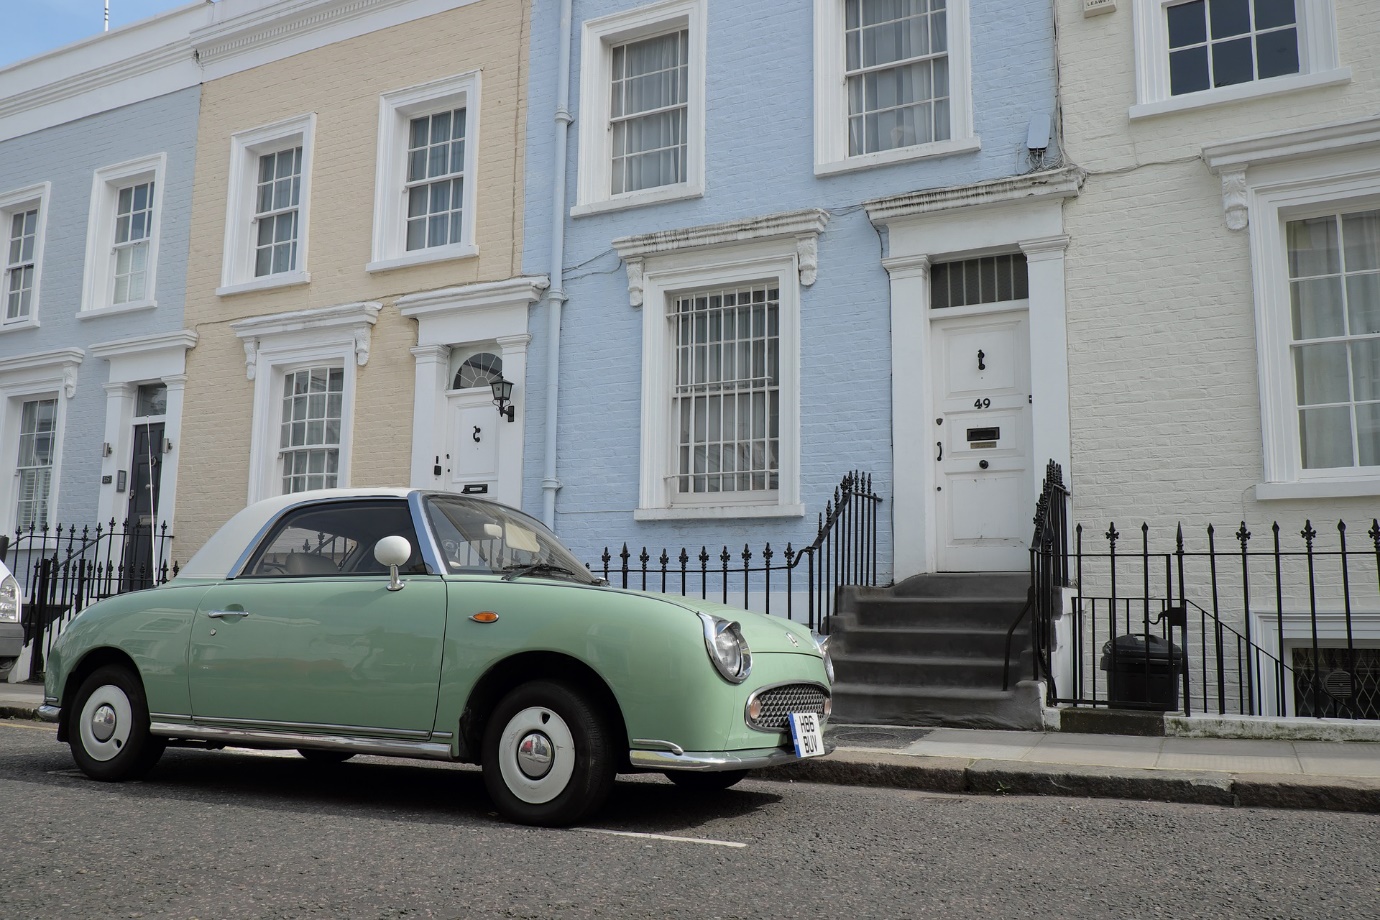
(36, 26)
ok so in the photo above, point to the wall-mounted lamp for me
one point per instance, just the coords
(503, 392)
(167, 445)
(106, 449)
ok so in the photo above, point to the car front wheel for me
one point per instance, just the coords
(548, 755)
(110, 737)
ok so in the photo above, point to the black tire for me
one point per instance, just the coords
(317, 755)
(565, 773)
(108, 728)
(718, 781)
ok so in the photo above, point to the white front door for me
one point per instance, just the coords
(982, 454)
(482, 452)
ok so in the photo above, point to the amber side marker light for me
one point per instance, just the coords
(485, 616)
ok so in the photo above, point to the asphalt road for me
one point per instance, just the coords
(244, 835)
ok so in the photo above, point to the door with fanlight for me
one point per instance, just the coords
(482, 450)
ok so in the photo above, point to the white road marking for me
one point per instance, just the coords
(32, 728)
(717, 843)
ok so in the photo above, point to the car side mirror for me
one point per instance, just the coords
(393, 551)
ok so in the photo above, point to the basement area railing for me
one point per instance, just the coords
(799, 584)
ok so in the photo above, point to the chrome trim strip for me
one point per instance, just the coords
(50, 713)
(352, 730)
(659, 745)
(706, 761)
(442, 736)
(828, 695)
(229, 736)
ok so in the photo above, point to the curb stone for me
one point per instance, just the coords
(873, 768)
(999, 777)
(1333, 793)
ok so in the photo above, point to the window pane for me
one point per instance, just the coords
(1187, 24)
(1229, 17)
(1363, 304)
(1277, 53)
(1368, 434)
(1365, 369)
(1325, 438)
(1271, 13)
(1361, 238)
(1321, 372)
(1313, 247)
(1317, 308)
(1188, 70)
(1231, 62)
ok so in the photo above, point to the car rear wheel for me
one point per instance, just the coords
(317, 755)
(110, 738)
(705, 782)
(548, 755)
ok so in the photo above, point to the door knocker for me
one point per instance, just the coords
(981, 366)
(476, 434)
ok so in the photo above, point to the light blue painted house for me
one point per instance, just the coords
(787, 241)
(97, 148)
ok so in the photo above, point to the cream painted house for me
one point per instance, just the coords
(355, 275)
(1223, 293)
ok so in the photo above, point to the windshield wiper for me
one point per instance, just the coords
(535, 568)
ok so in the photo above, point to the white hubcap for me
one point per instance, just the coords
(536, 755)
(105, 722)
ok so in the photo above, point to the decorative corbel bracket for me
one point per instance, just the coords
(634, 267)
(1234, 196)
(807, 255)
(362, 338)
(251, 357)
(69, 381)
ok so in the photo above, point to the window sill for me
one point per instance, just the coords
(266, 283)
(718, 512)
(121, 310)
(424, 257)
(900, 155)
(679, 192)
(1242, 91)
(1318, 488)
(30, 323)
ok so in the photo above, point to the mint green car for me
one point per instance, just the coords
(439, 626)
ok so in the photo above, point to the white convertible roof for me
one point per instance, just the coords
(218, 556)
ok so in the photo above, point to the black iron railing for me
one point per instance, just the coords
(1049, 574)
(64, 569)
(804, 582)
(1245, 629)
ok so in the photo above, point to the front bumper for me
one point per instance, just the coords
(711, 761)
(11, 640)
(50, 713)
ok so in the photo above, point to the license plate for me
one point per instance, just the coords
(806, 734)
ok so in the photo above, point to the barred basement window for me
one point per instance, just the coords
(726, 402)
(992, 279)
(1323, 684)
(310, 441)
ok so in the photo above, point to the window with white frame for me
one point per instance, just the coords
(1334, 286)
(303, 365)
(22, 219)
(642, 94)
(891, 82)
(425, 187)
(1199, 52)
(122, 235)
(34, 464)
(268, 206)
(309, 442)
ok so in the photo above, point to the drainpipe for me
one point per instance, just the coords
(555, 294)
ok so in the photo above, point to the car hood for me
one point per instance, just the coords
(763, 633)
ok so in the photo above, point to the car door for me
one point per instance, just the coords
(309, 636)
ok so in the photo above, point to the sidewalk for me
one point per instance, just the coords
(1332, 775)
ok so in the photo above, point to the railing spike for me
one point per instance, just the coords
(1308, 533)
(1243, 535)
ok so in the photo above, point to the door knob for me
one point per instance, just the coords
(982, 464)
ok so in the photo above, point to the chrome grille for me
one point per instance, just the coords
(777, 702)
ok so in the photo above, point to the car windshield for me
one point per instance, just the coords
(479, 537)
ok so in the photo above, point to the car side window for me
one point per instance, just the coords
(335, 538)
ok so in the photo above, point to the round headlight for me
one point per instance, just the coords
(727, 648)
(822, 643)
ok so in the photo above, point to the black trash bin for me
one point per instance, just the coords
(1144, 674)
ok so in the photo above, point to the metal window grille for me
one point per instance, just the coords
(436, 180)
(37, 440)
(1334, 282)
(726, 399)
(277, 198)
(133, 225)
(649, 112)
(1337, 682)
(897, 71)
(19, 265)
(993, 279)
(309, 444)
(1223, 42)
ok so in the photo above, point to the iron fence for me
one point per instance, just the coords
(63, 570)
(1280, 626)
(804, 581)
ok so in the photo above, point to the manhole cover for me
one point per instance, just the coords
(876, 737)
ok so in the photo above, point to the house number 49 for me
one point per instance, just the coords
(982, 404)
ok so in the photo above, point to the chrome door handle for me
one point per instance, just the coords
(221, 614)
